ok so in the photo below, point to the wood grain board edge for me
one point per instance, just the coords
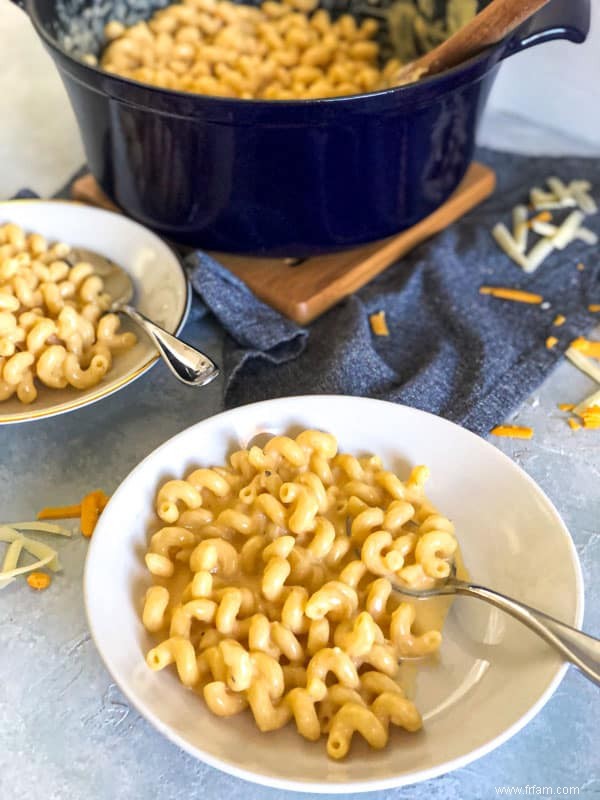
(306, 291)
(86, 190)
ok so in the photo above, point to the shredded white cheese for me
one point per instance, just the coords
(11, 558)
(47, 556)
(538, 253)
(561, 192)
(592, 400)
(40, 527)
(520, 227)
(580, 186)
(574, 195)
(580, 192)
(543, 228)
(566, 232)
(587, 236)
(583, 363)
(543, 201)
(550, 230)
(506, 242)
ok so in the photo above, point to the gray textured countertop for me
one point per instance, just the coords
(66, 732)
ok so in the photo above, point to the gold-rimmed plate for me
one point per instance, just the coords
(161, 291)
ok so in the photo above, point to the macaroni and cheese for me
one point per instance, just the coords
(273, 587)
(54, 325)
(274, 51)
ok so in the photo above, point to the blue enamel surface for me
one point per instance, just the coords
(287, 178)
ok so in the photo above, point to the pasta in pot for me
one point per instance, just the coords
(54, 325)
(258, 605)
(278, 51)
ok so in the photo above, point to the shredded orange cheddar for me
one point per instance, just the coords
(88, 511)
(559, 320)
(60, 512)
(512, 432)
(505, 293)
(543, 216)
(591, 417)
(573, 424)
(379, 324)
(91, 506)
(586, 347)
(566, 406)
(594, 308)
(551, 342)
(39, 580)
(580, 267)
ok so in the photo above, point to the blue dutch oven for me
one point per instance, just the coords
(279, 178)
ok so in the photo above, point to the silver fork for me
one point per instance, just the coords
(575, 646)
(188, 364)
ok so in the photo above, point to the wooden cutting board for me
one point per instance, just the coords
(303, 290)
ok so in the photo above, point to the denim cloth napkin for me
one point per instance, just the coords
(470, 358)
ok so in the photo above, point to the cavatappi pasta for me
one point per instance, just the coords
(272, 587)
(54, 328)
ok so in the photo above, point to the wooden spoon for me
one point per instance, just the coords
(489, 27)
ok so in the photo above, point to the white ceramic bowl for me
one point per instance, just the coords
(493, 675)
(161, 291)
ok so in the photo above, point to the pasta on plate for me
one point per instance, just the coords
(273, 587)
(54, 325)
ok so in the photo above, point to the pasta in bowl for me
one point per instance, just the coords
(55, 328)
(275, 573)
(486, 670)
(60, 348)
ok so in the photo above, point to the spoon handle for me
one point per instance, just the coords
(189, 365)
(575, 646)
(488, 27)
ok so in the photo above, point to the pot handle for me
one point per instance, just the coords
(560, 19)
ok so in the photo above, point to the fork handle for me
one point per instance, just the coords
(575, 646)
(189, 365)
